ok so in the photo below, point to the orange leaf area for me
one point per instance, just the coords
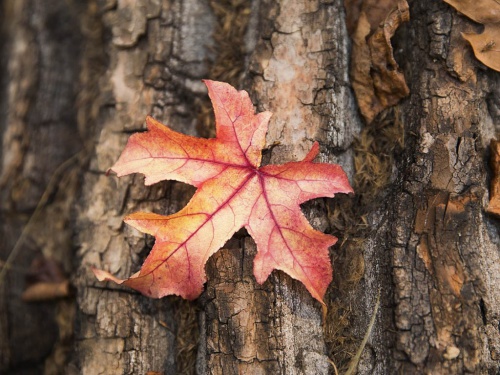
(376, 78)
(486, 45)
(233, 192)
(494, 205)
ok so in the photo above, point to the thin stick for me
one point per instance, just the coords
(353, 364)
(334, 366)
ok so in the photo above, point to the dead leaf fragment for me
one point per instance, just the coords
(46, 291)
(375, 10)
(486, 45)
(494, 206)
(482, 11)
(377, 80)
(46, 270)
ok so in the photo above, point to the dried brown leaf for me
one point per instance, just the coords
(494, 206)
(375, 12)
(482, 11)
(486, 45)
(377, 80)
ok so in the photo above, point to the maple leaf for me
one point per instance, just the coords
(233, 192)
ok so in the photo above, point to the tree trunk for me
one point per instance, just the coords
(78, 77)
(40, 50)
(157, 53)
(300, 74)
(445, 253)
(433, 252)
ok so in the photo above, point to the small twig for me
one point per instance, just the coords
(334, 366)
(353, 364)
(54, 180)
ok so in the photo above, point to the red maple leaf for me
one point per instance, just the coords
(233, 192)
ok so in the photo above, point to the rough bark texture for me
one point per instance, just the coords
(433, 242)
(156, 57)
(82, 75)
(40, 48)
(445, 253)
(298, 71)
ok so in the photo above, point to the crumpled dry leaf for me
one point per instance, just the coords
(486, 45)
(375, 12)
(482, 11)
(376, 78)
(494, 206)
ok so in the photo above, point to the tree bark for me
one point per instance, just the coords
(40, 49)
(80, 77)
(157, 54)
(445, 252)
(300, 74)
(434, 253)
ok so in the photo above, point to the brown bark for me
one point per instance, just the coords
(444, 258)
(157, 55)
(445, 253)
(95, 69)
(297, 72)
(40, 49)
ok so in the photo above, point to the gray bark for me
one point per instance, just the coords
(39, 48)
(157, 54)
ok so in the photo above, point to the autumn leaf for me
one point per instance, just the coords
(233, 192)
